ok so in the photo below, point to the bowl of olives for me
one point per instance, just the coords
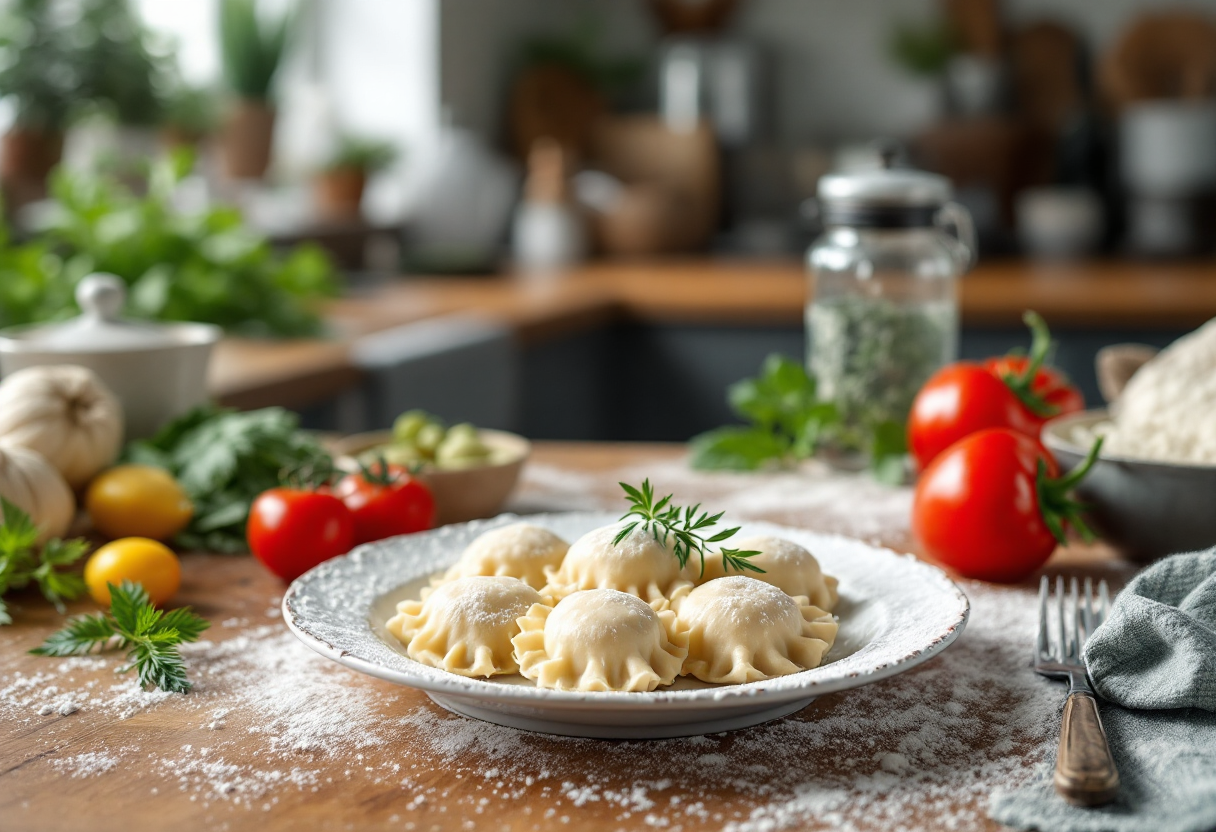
(470, 470)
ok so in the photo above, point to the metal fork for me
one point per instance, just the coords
(1085, 770)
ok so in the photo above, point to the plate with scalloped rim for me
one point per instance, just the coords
(895, 612)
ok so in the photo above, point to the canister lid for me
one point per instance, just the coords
(883, 197)
(99, 328)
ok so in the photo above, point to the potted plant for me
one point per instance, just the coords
(41, 78)
(190, 116)
(251, 47)
(339, 186)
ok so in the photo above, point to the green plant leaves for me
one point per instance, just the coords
(150, 637)
(787, 422)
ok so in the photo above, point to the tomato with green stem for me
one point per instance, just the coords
(1013, 391)
(385, 501)
(291, 530)
(994, 506)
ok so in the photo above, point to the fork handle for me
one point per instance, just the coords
(1085, 770)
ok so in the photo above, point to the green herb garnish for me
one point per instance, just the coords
(668, 522)
(786, 417)
(224, 460)
(20, 565)
(150, 637)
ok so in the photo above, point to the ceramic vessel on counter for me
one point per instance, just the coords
(158, 371)
(461, 494)
(1143, 508)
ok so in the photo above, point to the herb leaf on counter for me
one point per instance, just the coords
(668, 522)
(224, 459)
(150, 637)
(20, 564)
(787, 420)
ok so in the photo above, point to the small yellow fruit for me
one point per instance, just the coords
(137, 559)
(138, 501)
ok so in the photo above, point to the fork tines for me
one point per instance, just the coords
(1077, 614)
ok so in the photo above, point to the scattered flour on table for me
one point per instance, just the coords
(936, 740)
(832, 497)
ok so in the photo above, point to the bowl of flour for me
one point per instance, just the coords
(1153, 490)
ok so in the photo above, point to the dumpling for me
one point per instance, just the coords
(638, 565)
(599, 639)
(520, 550)
(744, 630)
(465, 626)
(786, 565)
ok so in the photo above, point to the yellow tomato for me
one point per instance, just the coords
(135, 559)
(138, 501)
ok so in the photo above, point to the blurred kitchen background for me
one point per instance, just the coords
(582, 219)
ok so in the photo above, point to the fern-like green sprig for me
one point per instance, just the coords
(150, 637)
(679, 528)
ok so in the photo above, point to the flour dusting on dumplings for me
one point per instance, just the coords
(599, 640)
(744, 630)
(518, 550)
(465, 626)
(638, 565)
(787, 566)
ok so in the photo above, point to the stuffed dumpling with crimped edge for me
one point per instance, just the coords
(740, 629)
(465, 625)
(638, 565)
(599, 640)
(787, 566)
(517, 550)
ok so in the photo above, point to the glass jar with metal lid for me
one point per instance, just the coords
(882, 314)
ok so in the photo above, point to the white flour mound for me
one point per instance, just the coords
(1167, 412)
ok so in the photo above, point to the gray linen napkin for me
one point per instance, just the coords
(1156, 653)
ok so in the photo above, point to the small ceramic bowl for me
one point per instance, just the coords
(461, 494)
(1146, 510)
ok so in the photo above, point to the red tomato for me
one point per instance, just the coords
(1013, 391)
(984, 509)
(386, 505)
(1049, 386)
(957, 401)
(291, 530)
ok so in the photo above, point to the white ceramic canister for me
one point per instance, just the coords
(158, 371)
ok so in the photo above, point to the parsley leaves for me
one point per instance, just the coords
(787, 422)
(20, 565)
(150, 637)
(225, 459)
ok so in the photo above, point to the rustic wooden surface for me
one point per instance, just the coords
(353, 792)
(1116, 294)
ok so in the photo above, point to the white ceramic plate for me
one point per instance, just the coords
(895, 612)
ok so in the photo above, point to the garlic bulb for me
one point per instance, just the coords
(67, 414)
(30, 482)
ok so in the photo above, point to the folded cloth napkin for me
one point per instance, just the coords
(1156, 654)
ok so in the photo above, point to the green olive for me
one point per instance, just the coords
(462, 447)
(429, 438)
(408, 424)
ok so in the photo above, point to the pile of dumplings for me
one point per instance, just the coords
(594, 616)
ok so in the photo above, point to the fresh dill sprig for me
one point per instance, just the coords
(150, 637)
(668, 522)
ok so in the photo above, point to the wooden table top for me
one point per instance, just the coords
(1115, 294)
(277, 738)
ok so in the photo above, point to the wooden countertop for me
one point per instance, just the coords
(1111, 295)
(277, 738)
